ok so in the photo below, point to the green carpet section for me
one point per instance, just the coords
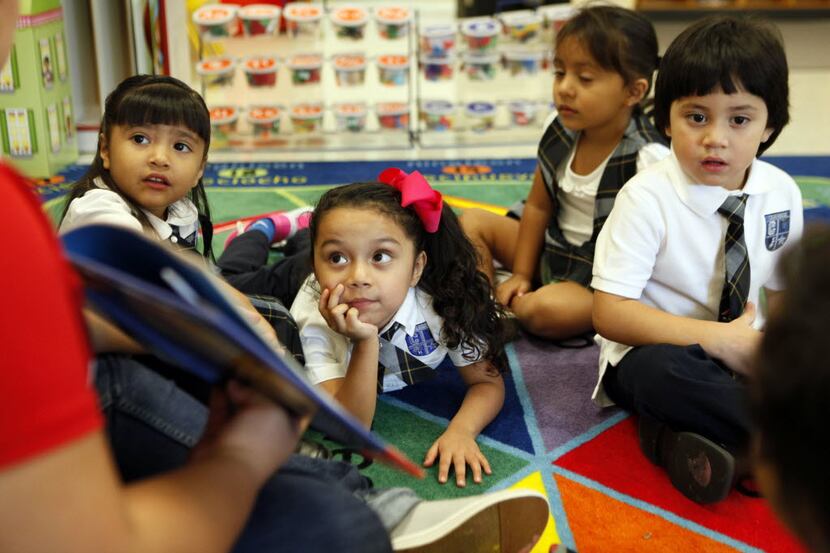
(414, 435)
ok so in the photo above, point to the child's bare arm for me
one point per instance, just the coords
(628, 321)
(457, 447)
(535, 218)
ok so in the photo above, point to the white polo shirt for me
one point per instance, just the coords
(663, 243)
(327, 353)
(102, 205)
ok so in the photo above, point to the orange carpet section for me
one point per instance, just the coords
(602, 524)
(614, 459)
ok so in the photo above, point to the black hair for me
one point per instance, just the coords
(461, 294)
(790, 396)
(732, 53)
(620, 40)
(157, 100)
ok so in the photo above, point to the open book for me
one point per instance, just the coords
(174, 307)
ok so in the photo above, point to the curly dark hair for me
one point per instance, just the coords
(790, 391)
(461, 294)
(157, 100)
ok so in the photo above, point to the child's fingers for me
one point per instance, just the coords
(475, 467)
(444, 468)
(484, 463)
(336, 294)
(460, 464)
(429, 458)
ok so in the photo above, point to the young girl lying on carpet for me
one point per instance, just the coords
(395, 293)
(605, 59)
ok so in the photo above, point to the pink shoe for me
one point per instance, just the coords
(286, 223)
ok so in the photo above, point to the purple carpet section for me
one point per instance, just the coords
(559, 382)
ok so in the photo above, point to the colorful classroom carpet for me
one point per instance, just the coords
(604, 495)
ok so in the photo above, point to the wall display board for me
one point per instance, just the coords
(36, 126)
(334, 76)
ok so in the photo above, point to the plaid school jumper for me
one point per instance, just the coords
(561, 260)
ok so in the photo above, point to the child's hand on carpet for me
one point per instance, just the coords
(458, 449)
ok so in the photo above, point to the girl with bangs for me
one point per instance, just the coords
(147, 172)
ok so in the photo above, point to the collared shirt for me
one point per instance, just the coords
(328, 353)
(663, 243)
(102, 205)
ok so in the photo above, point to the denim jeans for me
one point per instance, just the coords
(307, 505)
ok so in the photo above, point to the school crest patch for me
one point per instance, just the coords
(777, 229)
(422, 343)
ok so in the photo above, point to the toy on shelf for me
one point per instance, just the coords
(438, 115)
(264, 121)
(261, 71)
(216, 20)
(349, 21)
(393, 69)
(480, 116)
(393, 21)
(392, 116)
(481, 34)
(307, 117)
(349, 69)
(303, 19)
(260, 19)
(350, 117)
(216, 72)
(438, 40)
(223, 122)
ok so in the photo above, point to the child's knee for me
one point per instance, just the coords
(551, 316)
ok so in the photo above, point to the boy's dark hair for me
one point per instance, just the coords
(156, 100)
(461, 294)
(791, 391)
(727, 52)
(620, 40)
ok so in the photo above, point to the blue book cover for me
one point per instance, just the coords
(174, 307)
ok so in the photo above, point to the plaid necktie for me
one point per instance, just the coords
(736, 286)
(394, 360)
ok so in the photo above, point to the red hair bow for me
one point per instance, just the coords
(415, 190)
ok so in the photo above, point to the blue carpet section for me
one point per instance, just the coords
(442, 395)
(802, 166)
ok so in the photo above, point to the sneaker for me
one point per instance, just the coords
(286, 223)
(507, 520)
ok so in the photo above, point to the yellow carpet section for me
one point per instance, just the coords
(549, 536)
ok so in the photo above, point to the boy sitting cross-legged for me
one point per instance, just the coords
(689, 245)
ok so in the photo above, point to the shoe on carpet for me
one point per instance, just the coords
(698, 468)
(503, 521)
(286, 223)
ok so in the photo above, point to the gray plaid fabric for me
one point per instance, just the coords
(394, 360)
(736, 286)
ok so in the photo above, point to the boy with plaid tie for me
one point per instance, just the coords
(689, 245)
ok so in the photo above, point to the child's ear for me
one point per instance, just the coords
(200, 173)
(636, 92)
(767, 133)
(103, 150)
(418, 269)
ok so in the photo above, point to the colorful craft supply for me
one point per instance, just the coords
(259, 19)
(349, 69)
(481, 116)
(481, 34)
(480, 67)
(260, 71)
(216, 72)
(264, 121)
(307, 117)
(437, 115)
(522, 112)
(522, 26)
(437, 68)
(392, 115)
(393, 21)
(437, 40)
(302, 19)
(223, 120)
(393, 69)
(306, 68)
(521, 62)
(349, 21)
(215, 20)
(350, 117)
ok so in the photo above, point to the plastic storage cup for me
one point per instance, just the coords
(554, 17)
(481, 34)
(216, 72)
(264, 121)
(306, 68)
(259, 19)
(349, 21)
(523, 26)
(393, 69)
(522, 112)
(260, 71)
(437, 68)
(523, 62)
(302, 19)
(223, 120)
(480, 67)
(349, 69)
(437, 40)
(393, 21)
(481, 116)
(350, 117)
(392, 115)
(215, 20)
(437, 115)
(307, 117)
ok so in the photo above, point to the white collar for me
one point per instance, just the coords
(407, 313)
(704, 199)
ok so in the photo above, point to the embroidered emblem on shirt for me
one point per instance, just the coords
(777, 229)
(422, 343)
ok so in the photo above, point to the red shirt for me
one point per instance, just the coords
(45, 395)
